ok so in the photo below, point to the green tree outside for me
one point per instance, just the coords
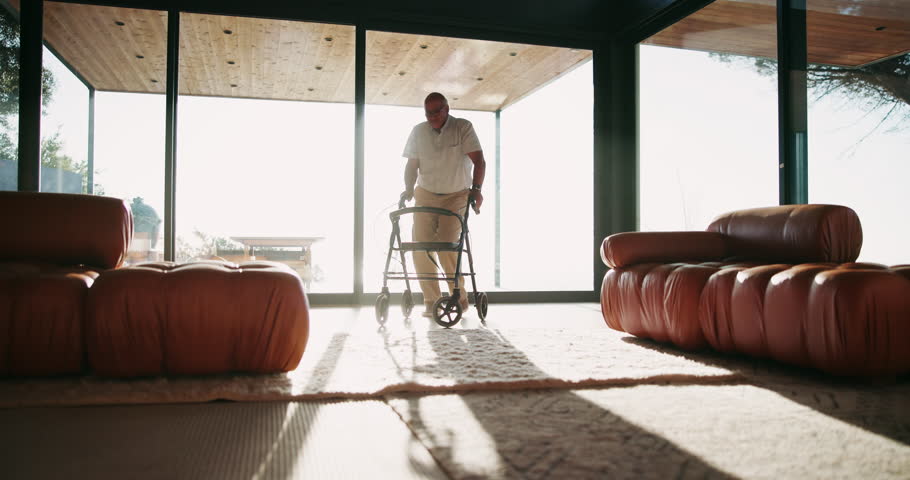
(51, 146)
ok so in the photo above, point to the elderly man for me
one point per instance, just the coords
(446, 163)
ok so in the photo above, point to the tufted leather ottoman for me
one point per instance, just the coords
(778, 282)
(196, 318)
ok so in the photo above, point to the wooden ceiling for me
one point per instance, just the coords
(124, 50)
(474, 74)
(844, 33)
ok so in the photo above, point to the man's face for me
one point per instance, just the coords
(436, 113)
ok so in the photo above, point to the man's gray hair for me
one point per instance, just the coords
(434, 97)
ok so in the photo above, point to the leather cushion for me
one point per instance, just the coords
(42, 308)
(197, 318)
(629, 248)
(65, 229)
(792, 233)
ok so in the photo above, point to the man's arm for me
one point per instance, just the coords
(480, 170)
(410, 177)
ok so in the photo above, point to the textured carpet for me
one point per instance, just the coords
(371, 364)
(796, 430)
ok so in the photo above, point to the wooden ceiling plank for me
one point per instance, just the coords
(342, 54)
(240, 41)
(189, 79)
(118, 56)
(326, 79)
(207, 51)
(68, 37)
(297, 58)
(747, 28)
(232, 48)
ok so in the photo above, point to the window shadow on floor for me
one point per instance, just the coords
(875, 405)
(539, 433)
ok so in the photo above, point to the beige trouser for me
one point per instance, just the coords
(430, 227)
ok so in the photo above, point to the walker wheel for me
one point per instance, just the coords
(446, 312)
(481, 303)
(407, 303)
(382, 308)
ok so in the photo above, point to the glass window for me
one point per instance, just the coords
(121, 54)
(9, 101)
(859, 117)
(266, 145)
(540, 93)
(129, 163)
(547, 186)
(64, 129)
(708, 138)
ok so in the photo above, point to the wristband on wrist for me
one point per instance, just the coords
(475, 187)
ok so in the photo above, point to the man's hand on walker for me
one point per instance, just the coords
(478, 200)
(405, 197)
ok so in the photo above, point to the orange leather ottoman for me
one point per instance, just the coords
(196, 318)
(778, 282)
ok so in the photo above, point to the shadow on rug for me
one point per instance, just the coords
(765, 421)
(655, 431)
(877, 405)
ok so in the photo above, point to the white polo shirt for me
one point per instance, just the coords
(444, 164)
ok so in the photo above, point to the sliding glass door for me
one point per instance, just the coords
(531, 107)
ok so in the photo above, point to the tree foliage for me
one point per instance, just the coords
(145, 218)
(52, 154)
(883, 85)
(202, 246)
(9, 70)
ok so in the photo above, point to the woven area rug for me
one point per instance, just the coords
(372, 364)
(793, 429)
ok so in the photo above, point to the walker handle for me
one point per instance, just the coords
(403, 199)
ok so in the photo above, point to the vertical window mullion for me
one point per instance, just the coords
(792, 101)
(170, 134)
(359, 100)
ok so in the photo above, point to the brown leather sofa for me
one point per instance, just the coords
(68, 305)
(777, 282)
